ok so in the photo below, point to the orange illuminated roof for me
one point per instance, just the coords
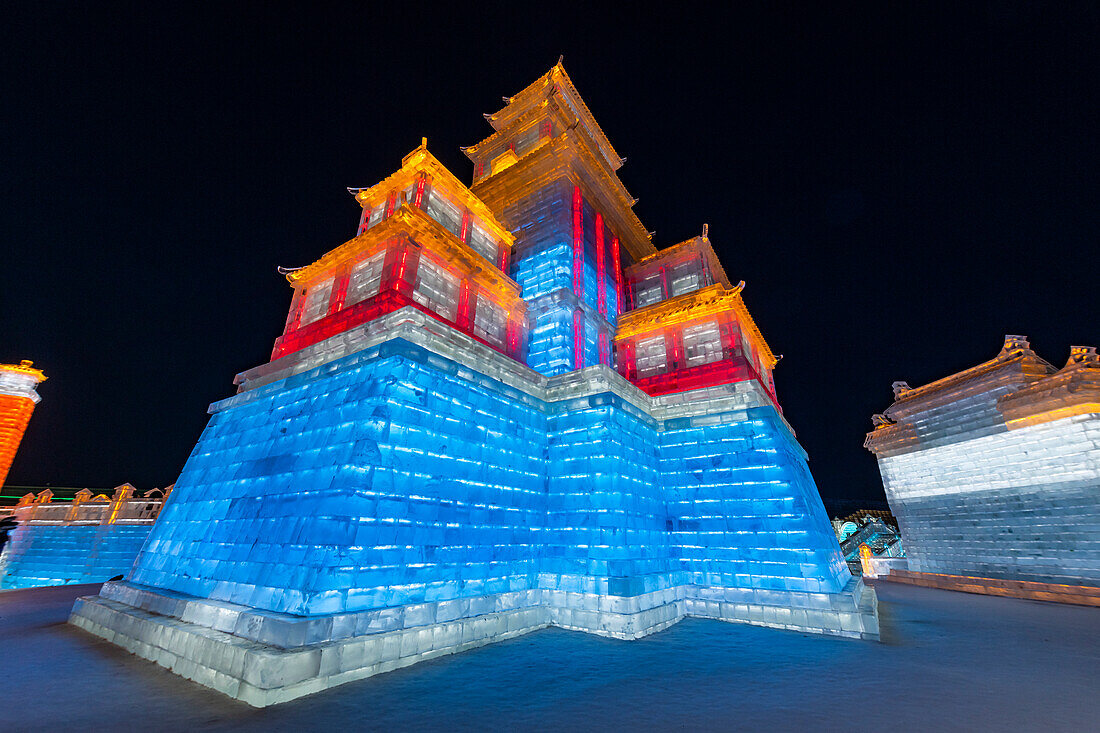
(24, 367)
(536, 93)
(691, 306)
(422, 161)
(410, 220)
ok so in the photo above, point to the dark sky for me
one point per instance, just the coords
(899, 186)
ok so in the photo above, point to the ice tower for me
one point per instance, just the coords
(491, 411)
(549, 173)
(18, 397)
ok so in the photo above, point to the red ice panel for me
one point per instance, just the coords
(601, 270)
(367, 310)
(578, 245)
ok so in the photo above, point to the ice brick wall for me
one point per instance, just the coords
(744, 509)
(1021, 504)
(386, 483)
(37, 555)
(404, 477)
(606, 531)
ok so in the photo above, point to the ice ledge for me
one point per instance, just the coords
(441, 346)
(272, 658)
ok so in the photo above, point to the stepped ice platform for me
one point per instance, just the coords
(392, 563)
(490, 412)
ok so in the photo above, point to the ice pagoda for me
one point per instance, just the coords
(495, 409)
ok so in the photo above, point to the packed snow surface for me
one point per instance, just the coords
(948, 661)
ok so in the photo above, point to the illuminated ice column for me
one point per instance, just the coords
(17, 400)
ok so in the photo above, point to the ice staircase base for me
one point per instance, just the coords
(264, 658)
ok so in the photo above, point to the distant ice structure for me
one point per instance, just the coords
(870, 542)
(88, 540)
(466, 434)
(18, 397)
(995, 471)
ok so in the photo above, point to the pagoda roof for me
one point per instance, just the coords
(573, 156)
(700, 243)
(419, 161)
(1072, 390)
(407, 219)
(1015, 351)
(556, 80)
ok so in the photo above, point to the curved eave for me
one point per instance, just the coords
(540, 90)
(422, 161)
(414, 222)
(705, 302)
(1021, 355)
(595, 177)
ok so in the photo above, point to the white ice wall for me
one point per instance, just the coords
(1050, 453)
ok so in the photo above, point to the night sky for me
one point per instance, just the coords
(899, 186)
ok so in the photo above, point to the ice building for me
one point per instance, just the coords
(494, 409)
(873, 540)
(994, 472)
(87, 540)
(18, 397)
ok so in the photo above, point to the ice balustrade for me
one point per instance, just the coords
(86, 540)
(122, 507)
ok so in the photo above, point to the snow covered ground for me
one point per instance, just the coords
(948, 661)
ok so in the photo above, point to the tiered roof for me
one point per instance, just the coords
(698, 304)
(579, 139)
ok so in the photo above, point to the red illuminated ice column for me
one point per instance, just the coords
(18, 396)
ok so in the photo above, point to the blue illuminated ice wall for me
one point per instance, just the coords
(43, 554)
(396, 476)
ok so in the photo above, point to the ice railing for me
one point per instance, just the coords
(122, 507)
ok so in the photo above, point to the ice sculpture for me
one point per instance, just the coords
(86, 540)
(995, 471)
(18, 397)
(445, 449)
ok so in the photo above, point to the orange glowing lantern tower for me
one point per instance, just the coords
(18, 397)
